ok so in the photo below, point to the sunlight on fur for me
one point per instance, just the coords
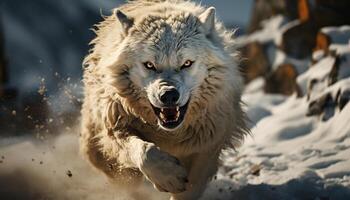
(145, 112)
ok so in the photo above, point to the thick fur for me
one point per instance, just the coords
(120, 134)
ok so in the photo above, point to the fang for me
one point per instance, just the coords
(162, 116)
(177, 115)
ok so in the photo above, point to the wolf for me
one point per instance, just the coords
(162, 96)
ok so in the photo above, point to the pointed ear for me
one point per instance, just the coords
(208, 19)
(126, 22)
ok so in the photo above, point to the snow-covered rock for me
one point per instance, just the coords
(295, 151)
(338, 35)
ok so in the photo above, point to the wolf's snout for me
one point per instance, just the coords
(169, 97)
(170, 113)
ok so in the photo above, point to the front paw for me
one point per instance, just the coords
(163, 170)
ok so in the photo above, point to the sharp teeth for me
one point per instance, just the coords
(162, 116)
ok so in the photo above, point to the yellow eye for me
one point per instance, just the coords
(187, 64)
(149, 66)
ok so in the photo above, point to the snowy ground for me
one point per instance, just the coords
(289, 156)
(54, 170)
(299, 147)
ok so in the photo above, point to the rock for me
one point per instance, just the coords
(263, 10)
(324, 12)
(303, 10)
(337, 35)
(282, 81)
(310, 86)
(343, 97)
(300, 40)
(323, 106)
(255, 170)
(254, 62)
(333, 74)
(330, 13)
(69, 173)
(323, 42)
(316, 107)
(332, 35)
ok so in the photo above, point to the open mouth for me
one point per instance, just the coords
(170, 117)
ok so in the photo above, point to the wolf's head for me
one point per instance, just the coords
(175, 61)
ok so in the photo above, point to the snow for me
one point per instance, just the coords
(289, 154)
(319, 71)
(280, 58)
(269, 32)
(271, 36)
(298, 157)
(338, 35)
(259, 105)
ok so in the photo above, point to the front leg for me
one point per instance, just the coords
(160, 168)
(201, 168)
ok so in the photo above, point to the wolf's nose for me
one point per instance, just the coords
(170, 97)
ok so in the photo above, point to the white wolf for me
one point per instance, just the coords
(162, 96)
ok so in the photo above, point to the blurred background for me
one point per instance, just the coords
(42, 45)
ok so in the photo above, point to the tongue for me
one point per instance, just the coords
(169, 111)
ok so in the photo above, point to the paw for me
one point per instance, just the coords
(163, 170)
